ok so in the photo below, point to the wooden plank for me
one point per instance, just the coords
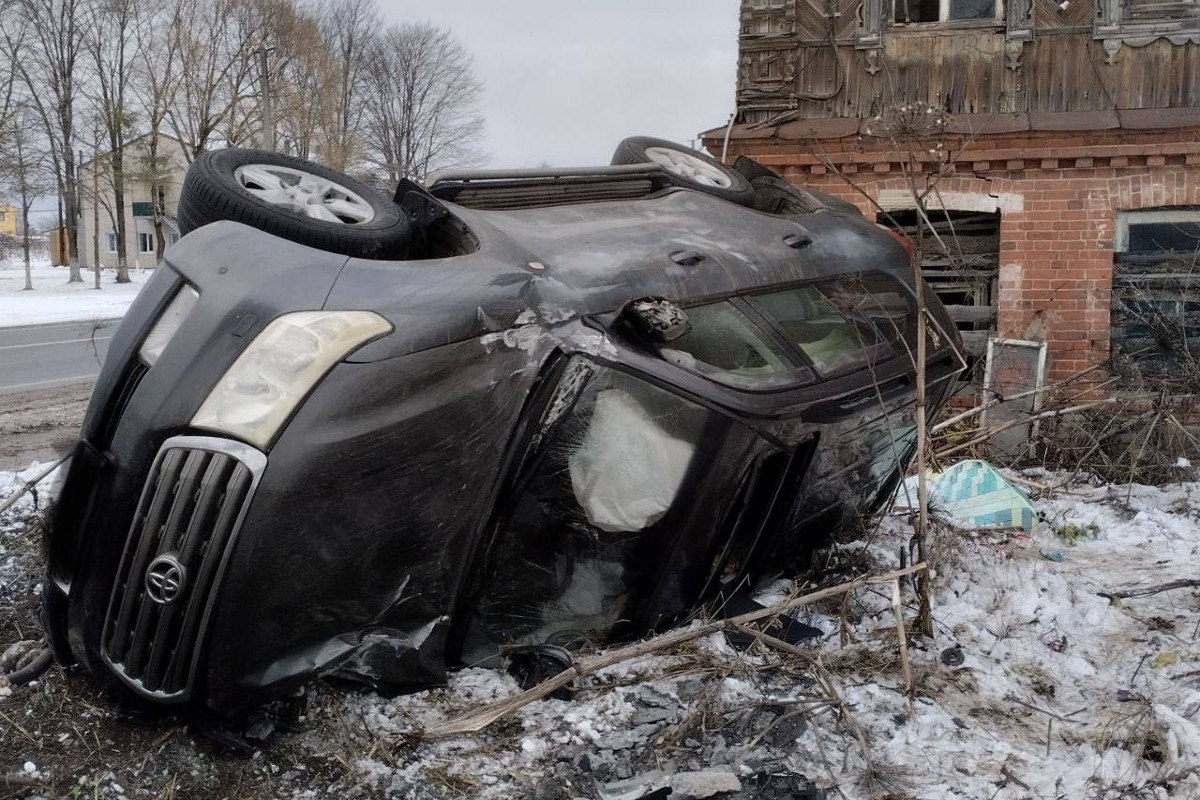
(975, 342)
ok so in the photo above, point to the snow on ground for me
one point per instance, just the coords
(1059, 694)
(55, 300)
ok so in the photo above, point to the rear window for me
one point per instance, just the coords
(787, 337)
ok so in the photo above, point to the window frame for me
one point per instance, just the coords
(944, 20)
(1115, 26)
(805, 374)
(1177, 214)
(111, 242)
(149, 237)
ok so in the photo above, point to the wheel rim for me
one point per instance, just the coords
(304, 193)
(686, 165)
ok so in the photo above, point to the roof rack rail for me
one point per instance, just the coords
(533, 188)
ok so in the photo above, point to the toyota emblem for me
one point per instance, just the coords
(164, 579)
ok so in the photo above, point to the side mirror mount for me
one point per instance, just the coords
(656, 318)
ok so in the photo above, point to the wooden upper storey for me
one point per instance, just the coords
(1061, 60)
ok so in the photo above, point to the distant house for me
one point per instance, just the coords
(8, 219)
(142, 175)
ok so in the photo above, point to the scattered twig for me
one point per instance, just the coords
(998, 399)
(1141, 661)
(1040, 710)
(1183, 583)
(1004, 770)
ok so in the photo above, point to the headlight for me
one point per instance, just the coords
(168, 323)
(280, 367)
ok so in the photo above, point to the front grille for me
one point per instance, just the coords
(186, 521)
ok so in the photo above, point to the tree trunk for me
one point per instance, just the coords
(71, 208)
(160, 207)
(118, 174)
(25, 231)
(157, 199)
(96, 214)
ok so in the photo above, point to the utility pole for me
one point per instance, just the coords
(267, 139)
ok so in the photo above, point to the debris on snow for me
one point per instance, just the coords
(1036, 685)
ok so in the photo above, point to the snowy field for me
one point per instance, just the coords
(55, 300)
(1049, 691)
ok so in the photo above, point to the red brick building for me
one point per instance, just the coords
(1073, 184)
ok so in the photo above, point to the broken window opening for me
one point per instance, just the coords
(961, 265)
(1155, 314)
(591, 514)
(909, 11)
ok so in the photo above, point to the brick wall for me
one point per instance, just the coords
(1058, 195)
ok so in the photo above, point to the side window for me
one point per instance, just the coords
(841, 325)
(830, 341)
(790, 337)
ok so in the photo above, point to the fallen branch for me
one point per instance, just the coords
(29, 484)
(1184, 583)
(998, 399)
(482, 717)
(902, 635)
(1067, 718)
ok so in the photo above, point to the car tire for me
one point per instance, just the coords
(293, 199)
(687, 167)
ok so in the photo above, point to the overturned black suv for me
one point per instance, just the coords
(341, 433)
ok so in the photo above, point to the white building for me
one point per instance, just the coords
(141, 177)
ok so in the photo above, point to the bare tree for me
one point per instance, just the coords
(421, 104)
(349, 28)
(156, 87)
(302, 84)
(52, 33)
(24, 168)
(8, 60)
(113, 41)
(215, 69)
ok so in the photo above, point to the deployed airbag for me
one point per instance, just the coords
(627, 470)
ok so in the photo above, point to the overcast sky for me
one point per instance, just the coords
(565, 81)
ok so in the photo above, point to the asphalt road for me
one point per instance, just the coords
(34, 357)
